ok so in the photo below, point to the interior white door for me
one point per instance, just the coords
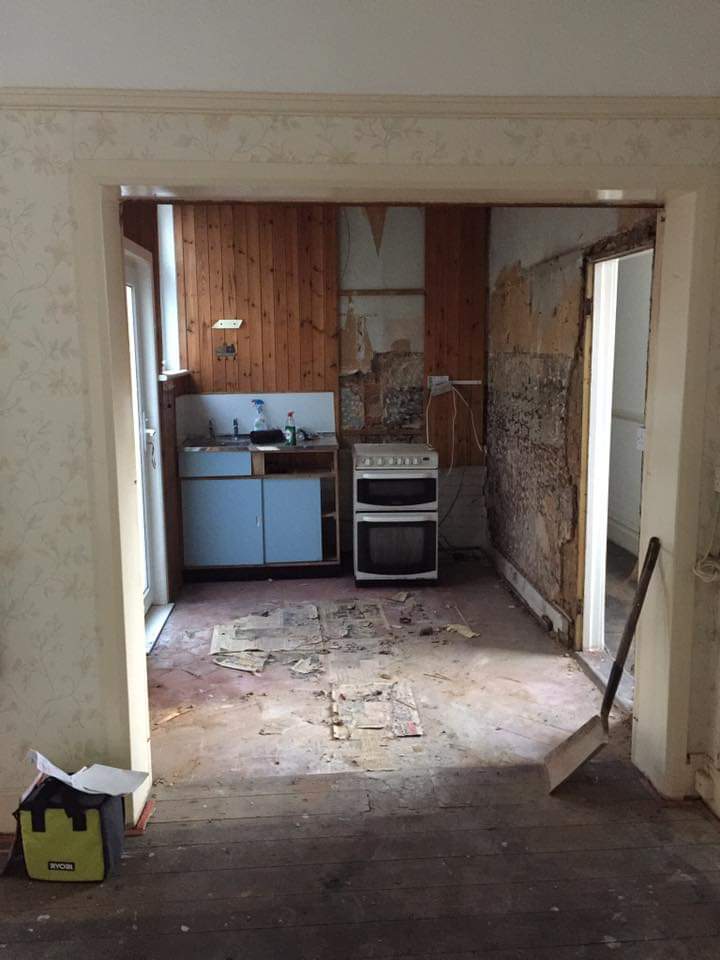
(146, 413)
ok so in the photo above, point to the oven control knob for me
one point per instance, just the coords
(379, 461)
(407, 460)
(415, 460)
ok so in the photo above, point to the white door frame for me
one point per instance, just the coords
(138, 263)
(676, 393)
(605, 274)
(605, 278)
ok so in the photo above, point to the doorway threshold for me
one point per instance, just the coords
(597, 665)
(155, 620)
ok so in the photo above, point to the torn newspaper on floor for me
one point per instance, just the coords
(379, 705)
(246, 643)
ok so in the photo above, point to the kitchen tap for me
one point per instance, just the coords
(211, 429)
(236, 428)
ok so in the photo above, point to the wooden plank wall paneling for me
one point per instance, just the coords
(274, 266)
(456, 250)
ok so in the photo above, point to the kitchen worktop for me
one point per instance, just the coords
(323, 443)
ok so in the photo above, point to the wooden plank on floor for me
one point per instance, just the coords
(440, 844)
(274, 805)
(541, 815)
(406, 938)
(242, 910)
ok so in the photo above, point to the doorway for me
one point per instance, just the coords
(139, 301)
(616, 441)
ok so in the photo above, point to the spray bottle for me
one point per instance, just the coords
(260, 418)
(290, 431)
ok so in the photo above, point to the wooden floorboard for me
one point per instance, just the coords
(448, 864)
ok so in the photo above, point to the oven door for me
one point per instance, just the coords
(396, 490)
(396, 546)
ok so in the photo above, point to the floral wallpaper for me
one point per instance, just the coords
(51, 694)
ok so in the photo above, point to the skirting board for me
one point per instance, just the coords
(623, 536)
(530, 596)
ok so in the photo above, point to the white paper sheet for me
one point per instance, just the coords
(94, 779)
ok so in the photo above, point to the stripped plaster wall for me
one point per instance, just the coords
(535, 387)
(381, 334)
(55, 679)
(382, 342)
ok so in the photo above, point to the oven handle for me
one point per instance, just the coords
(395, 517)
(398, 475)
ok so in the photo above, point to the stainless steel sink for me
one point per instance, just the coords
(219, 440)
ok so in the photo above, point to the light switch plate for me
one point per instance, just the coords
(227, 324)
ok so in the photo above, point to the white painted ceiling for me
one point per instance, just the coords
(485, 47)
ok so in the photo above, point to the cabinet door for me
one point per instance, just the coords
(214, 463)
(292, 518)
(222, 522)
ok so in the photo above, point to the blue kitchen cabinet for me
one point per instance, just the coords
(292, 519)
(222, 522)
(214, 463)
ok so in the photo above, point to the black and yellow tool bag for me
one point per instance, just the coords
(70, 835)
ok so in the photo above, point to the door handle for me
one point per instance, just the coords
(150, 435)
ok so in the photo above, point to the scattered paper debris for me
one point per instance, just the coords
(292, 627)
(97, 778)
(400, 597)
(307, 666)
(353, 619)
(377, 705)
(463, 630)
(249, 661)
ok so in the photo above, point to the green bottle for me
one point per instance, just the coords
(290, 432)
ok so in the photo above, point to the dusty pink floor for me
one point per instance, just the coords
(505, 696)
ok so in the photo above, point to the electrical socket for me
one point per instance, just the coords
(439, 383)
(228, 324)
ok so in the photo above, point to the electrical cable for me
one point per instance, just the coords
(707, 568)
(452, 435)
(427, 418)
(480, 447)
